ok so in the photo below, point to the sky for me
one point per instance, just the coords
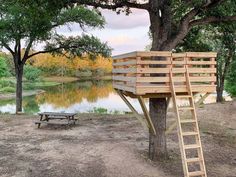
(122, 33)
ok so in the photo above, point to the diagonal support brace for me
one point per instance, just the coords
(146, 120)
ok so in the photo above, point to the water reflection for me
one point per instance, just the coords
(79, 97)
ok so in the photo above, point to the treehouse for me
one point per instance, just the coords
(148, 73)
(158, 74)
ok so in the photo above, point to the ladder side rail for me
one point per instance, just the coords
(180, 136)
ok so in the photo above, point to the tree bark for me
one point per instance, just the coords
(221, 74)
(19, 76)
(157, 143)
(158, 106)
(219, 93)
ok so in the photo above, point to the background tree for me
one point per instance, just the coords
(222, 39)
(29, 22)
(170, 22)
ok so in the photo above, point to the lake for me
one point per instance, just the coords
(80, 97)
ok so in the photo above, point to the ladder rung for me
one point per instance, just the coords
(196, 173)
(190, 160)
(187, 121)
(183, 96)
(186, 108)
(192, 146)
(189, 133)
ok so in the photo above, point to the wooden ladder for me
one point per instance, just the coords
(188, 130)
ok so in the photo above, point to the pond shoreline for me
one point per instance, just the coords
(7, 96)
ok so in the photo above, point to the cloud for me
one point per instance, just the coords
(138, 18)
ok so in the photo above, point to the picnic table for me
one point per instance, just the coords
(45, 117)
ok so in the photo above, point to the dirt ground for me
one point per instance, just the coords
(111, 146)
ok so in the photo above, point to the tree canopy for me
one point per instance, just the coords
(26, 23)
(33, 22)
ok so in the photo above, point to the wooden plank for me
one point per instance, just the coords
(178, 62)
(123, 87)
(56, 114)
(212, 66)
(126, 55)
(201, 54)
(146, 115)
(181, 89)
(153, 79)
(178, 55)
(153, 70)
(154, 53)
(176, 79)
(129, 84)
(130, 62)
(166, 70)
(201, 62)
(194, 70)
(165, 53)
(124, 78)
(137, 115)
(148, 62)
(124, 70)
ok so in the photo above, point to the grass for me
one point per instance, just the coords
(59, 79)
(100, 110)
(8, 85)
(7, 89)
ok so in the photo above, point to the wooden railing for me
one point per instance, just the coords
(148, 72)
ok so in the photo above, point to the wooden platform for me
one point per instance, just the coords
(147, 73)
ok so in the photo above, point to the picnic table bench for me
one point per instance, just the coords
(45, 117)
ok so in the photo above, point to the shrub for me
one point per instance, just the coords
(99, 72)
(6, 82)
(230, 85)
(100, 110)
(31, 73)
(84, 73)
(230, 88)
(4, 70)
(8, 90)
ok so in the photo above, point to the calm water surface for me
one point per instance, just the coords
(79, 97)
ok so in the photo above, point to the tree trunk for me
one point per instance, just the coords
(157, 143)
(158, 106)
(19, 75)
(219, 93)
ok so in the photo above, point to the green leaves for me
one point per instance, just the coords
(81, 15)
(36, 22)
(77, 46)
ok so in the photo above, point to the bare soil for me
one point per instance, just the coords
(110, 146)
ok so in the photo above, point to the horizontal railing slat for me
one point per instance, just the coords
(163, 70)
(124, 78)
(124, 87)
(176, 79)
(125, 63)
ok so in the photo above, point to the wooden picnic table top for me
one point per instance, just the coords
(56, 114)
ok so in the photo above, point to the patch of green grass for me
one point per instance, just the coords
(7, 90)
(100, 110)
(41, 84)
(45, 84)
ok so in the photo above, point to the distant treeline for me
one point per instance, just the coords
(50, 65)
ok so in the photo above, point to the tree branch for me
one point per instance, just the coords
(8, 48)
(185, 23)
(111, 4)
(45, 51)
(212, 19)
(26, 55)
